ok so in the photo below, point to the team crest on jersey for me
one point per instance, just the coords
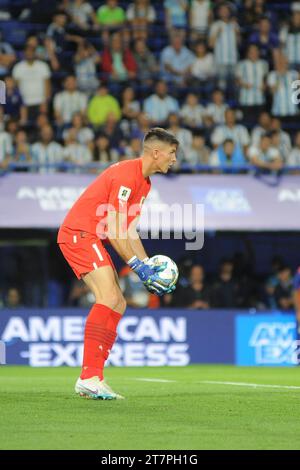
(124, 193)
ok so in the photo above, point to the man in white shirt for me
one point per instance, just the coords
(230, 130)
(176, 61)
(46, 151)
(251, 74)
(68, 102)
(280, 83)
(33, 79)
(159, 105)
(223, 39)
(74, 152)
(265, 156)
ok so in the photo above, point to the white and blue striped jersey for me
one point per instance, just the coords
(252, 73)
(238, 133)
(291, 45)
(282, 97)
(47, 155)
(225, 49)
(6, 148)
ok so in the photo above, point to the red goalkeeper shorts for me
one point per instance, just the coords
(83, 251)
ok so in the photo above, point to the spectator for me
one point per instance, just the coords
(134, 291)
(184, 136)
(46, 151)
(265, 156)
(118, 62)
(203, 67)
(283, 293)
(7, 57)
(176, 13)
(57, 35)
(293, 158)
(224, 38)
(82, 14)
(229, 155)
(215, 111)
(142, 126)
(199, 153)
(266, 41)
(196, 294)
(101, 105)
(103, 153)
(192, 112)
(176, 61)
(285, 144)
(14, 107)
(112, 130)
(22, 150)
(6, 149)
(130, 106)
(85, 135)
(140, 15)
(251, 74)
(111, 15)
(264, 125)
(75, 152)
(13, 298)
(280, 84)
(159, 105)
(225, 290)
(290, 40)
(146, 62)
(43, 50)
(230, 130)
(134, 148)
(80, 295)
(33, 79)
(68, 102)
(200, 17)
(86, 61)
(277, 143)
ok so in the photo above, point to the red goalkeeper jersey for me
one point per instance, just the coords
(121, 187)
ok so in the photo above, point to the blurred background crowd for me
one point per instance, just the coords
(86, 80)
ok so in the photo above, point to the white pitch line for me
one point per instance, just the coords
(155, 380)
(246, 384)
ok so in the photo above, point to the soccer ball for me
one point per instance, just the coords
(169, 275)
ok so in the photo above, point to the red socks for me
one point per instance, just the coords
(99, 336)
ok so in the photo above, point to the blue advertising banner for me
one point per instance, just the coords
(54, 337)
(164, 337)
(268, 340)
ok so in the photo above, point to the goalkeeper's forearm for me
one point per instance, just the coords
(137, 245)
(122, 241)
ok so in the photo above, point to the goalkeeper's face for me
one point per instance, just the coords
(165, 157)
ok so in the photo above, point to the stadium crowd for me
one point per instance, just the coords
(85, 80)
(236, 284)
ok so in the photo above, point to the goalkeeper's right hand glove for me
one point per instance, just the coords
(148, 275)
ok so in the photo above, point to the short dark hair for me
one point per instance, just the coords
(158, 133)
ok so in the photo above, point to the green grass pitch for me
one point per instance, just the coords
(39, 410)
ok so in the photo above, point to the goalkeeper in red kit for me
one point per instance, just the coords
(108, 212)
